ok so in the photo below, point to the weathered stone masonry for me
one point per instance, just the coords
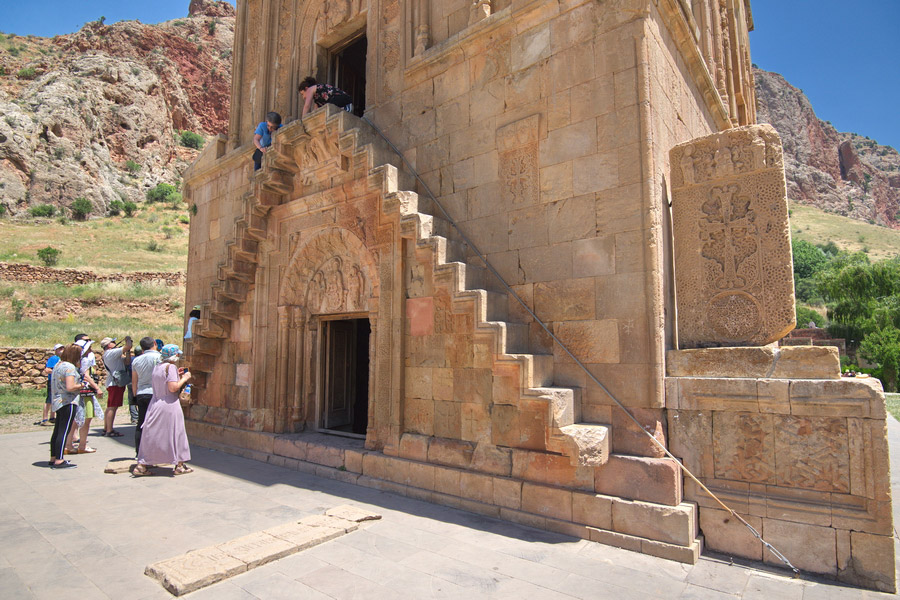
(545, 130)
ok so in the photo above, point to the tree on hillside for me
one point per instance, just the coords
(864, 308)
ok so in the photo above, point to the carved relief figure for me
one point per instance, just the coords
(334, 285)
(355, 288)
(687, 165)
(480, 9)
(758, 149)
(316, 292)
(724, 161)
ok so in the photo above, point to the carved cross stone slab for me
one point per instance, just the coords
(733, 271)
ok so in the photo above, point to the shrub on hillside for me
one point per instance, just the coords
(2, 210)
(49, 256)
(129, 208)
(163, 192)
(132, 167)
(115, 208)
(81, 208)
(42, 210)
(189, 139)
(27, 73)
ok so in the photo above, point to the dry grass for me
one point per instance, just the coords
(107, 245)
(818, 227)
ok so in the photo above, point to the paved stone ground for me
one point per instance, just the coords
(83, 534)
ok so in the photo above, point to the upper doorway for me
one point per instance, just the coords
(347, 70)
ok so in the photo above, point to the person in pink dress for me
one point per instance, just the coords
(163, 436)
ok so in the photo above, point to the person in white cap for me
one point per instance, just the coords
(114, 360)
(48, 371)
(89, 405)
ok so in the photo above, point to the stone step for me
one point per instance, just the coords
(590, 443)
(210, 346)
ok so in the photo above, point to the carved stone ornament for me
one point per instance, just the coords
(318, 158)
(733, 270)
(518, 161)
(480, 9)
(328, 274)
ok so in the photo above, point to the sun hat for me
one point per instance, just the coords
(106, 341)
(168, 351)
(57, 347)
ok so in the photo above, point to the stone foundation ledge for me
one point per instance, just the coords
(669, 532)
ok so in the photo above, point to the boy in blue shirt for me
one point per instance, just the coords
(262, 137)
(48, 371)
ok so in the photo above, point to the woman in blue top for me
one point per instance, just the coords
(262, 137)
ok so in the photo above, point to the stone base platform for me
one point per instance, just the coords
(670, 532)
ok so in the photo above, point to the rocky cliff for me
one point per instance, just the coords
(843, 173)
(97, 113)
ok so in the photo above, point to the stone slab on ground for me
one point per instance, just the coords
(257, 549)
(200, 568)
(352, 513)
(194, 570)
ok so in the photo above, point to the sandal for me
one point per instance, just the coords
(182, 470)
(87, 450)
(140, 471)
(42, 422)
(113, 433)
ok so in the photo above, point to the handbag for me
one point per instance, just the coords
(119, 378)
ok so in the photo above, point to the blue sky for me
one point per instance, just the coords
(844, 55)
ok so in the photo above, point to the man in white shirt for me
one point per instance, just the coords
(142, 384)
(114, 361)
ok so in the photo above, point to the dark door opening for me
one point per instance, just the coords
(346, 398)
(347, 70)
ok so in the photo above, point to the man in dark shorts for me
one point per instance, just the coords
(114, 360)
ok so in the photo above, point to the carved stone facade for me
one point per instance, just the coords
(799, 452)
(732, 239)
(338, 297)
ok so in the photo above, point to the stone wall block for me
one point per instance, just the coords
(723, 533)
(859, 397)
(671, 524)
(547, 501)
(871, 562)
(808, 362)
(592, 509)
(733, 267)
(638, 478)
(808, 547)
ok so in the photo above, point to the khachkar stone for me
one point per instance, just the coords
(733, 271)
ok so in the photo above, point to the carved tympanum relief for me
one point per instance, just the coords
(335, 288)
(330, 273)
(733, 270)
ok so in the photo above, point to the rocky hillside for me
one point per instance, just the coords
(843, 173)
(97, 113)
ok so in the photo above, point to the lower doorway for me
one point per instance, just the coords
(345, 402)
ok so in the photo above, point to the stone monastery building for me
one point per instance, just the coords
(602, 158)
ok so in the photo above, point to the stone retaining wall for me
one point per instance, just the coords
(38, 274)
(23, 367)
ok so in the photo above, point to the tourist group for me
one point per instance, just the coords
(151, 376)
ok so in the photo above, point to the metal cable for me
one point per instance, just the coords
(578, 362)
